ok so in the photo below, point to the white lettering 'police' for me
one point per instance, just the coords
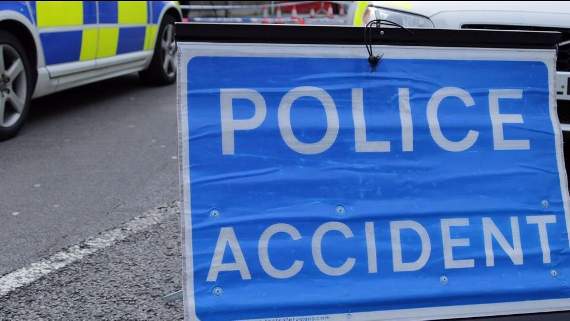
(361, 143)
(433, 120)
(284, 119)
(498, 119)
(231, 125)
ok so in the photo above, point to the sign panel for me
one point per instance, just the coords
(316, 188)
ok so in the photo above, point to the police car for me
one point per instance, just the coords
(48, 46)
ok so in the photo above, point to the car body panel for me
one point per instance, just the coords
(80, 42)
(20, 12)
(503, 15)
(455, 12)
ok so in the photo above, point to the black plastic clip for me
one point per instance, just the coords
(373, 60)
(369, 30)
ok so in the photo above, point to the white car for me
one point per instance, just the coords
(496, 15)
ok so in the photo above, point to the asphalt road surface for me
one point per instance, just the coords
(127, 281)
(88, 160)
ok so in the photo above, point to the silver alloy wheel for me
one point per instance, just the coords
(168, 51)
(13, 86)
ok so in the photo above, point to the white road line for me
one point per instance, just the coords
(33, 272)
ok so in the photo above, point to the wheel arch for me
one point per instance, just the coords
(170, 9)
(23, 30)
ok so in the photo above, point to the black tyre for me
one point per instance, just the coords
(162, 68)
(16, 85)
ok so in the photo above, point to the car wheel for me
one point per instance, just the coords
(162, 68)
(15, 85)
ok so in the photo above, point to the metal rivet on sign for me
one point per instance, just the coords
(553, 273)
(443, 279)
(340, 209)
(217, 291)
(545, 204)
(214, 213)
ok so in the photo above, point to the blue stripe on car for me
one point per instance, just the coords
(108, 12)
(130, 39)
(89, 12)
(60, 47)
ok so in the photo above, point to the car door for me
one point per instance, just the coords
(122, 30)
(68, 34)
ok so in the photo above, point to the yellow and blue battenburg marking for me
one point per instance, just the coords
(73, 31)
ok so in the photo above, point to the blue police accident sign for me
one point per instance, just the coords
(316, 188)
